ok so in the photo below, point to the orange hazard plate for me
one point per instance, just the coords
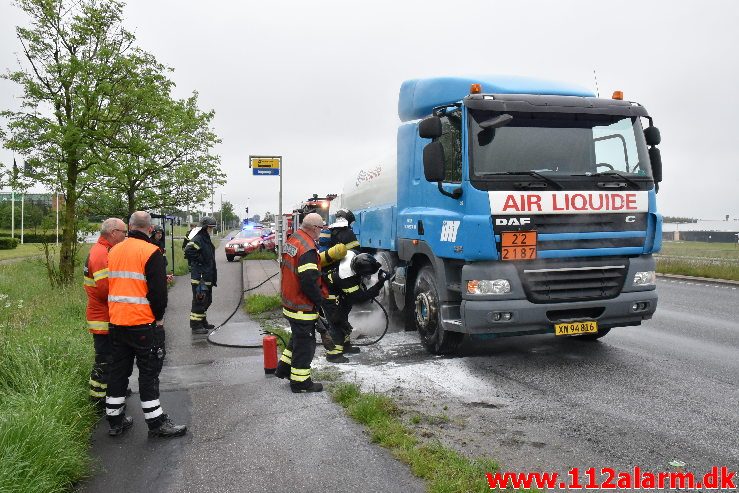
(518, 245)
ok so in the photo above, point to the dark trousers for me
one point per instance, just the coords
(298, 355)
(200, 306)
(99, 375)
(145, 345)
(338, 315)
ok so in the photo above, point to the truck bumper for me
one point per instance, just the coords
(479, 317)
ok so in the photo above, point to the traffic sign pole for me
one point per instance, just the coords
(270, 166)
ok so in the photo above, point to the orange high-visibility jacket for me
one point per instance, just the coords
(295, 303)
(96, 285)
(127, 278)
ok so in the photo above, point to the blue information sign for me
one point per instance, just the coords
(266, 171)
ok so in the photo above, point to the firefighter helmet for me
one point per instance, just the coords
(208, 221)
(365, 264)
(346, 214)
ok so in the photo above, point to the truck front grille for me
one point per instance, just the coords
(558, 282)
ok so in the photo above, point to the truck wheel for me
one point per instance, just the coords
(386, 296)
(593, 337)
(230, 258)
(426, 315)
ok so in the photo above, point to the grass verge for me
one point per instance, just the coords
(265, 255)
(45, 358)
(21, 251)
(698, 269)
(255, 304)
(443, 469)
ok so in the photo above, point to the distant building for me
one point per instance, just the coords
(40, 199)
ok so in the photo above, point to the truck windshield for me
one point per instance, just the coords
(558, 145)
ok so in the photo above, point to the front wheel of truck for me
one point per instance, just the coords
(426, 315)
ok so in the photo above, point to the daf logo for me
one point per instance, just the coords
(630, 219)
(512, 221)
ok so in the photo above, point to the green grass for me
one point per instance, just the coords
(443, 469)
(21, 251)
(699, 259)
(698, 269)
(255, 304)
(45, 359)
(265, 255)
(700, 249)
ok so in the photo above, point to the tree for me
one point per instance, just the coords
(229, 216)
(79, 64)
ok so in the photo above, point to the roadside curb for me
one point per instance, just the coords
(699, 279)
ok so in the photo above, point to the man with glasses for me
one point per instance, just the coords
(95, 271)
(301, 298)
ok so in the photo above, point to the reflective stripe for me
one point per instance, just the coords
(351, 289)
(336, 350)
(197, 316)
(101, 274)
(115, 400)
(305, 267)
(194, 281)
(287, 352)
(154, 414)
(89, 282)
(98, 385)
(94, 393)
(299, 374)
(286, 359)
(94, 325)
(122, 274)
(294, 307)
(332, 297)
(194, 245)
(352, 244)
(299, 315)
(113, 412)
(149, 404)
(136, 300)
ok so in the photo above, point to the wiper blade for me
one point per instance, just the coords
(535, 174)
(614, 173)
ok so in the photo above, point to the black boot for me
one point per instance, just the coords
(337, 358)
(350, 348)
(120, 429)
(307, 386)
(167, 429)
(207, 324)
(198, 327)
(283, 370)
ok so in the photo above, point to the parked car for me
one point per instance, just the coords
(250, 240)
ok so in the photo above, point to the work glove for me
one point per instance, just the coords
(327, 342)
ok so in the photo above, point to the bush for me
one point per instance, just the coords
(8, 243)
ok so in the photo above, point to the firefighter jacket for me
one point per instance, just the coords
(201, 255)
(95, 274)
(345, 235)
(301, 278)
(137, 293)
(347, 285)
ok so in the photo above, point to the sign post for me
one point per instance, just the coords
(270, 166)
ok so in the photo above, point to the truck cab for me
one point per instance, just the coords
(522, 206)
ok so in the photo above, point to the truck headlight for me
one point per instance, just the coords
(486, 286)
(645, 278)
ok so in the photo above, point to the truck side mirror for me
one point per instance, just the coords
(433, 161)
(656, 159)
(430, 128)
(652, 136)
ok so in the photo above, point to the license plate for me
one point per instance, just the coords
(518, 245)
(571, 328)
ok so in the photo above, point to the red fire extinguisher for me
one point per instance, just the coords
(269, 346)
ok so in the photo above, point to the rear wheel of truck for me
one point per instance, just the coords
(427, 318)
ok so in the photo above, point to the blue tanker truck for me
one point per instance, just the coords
(513, 206)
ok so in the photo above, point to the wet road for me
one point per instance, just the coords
(641, 396)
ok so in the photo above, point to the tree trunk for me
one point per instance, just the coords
(131, 195)
(69, 233)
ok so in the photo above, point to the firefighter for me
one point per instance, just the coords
(341, 230)
(137, 300)
(112, 232)
(302, 298)
(201, 255)
(345, 289)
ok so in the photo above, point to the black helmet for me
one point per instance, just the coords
(346, 214)
(365, 264)
(207, 221)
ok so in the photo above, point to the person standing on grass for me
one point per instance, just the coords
(137, 300)
(95, 271)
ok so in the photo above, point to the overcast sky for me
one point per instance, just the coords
(317, 81)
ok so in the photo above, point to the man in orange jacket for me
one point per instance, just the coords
(137, 300)
(112, 232)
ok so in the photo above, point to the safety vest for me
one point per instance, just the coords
(127, 300)
(295, 304)
(96, 285)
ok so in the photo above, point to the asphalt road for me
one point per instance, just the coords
(641, 396)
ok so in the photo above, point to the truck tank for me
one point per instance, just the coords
(373, 185)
